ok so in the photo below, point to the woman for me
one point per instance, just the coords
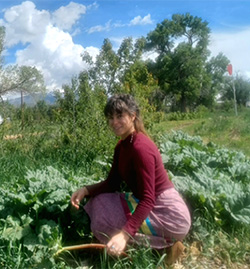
(154, 213)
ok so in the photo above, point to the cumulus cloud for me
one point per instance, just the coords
(66, 16)
(24, 23)
(48, 45)
(141, 21)
(235, 46)
(55, 55)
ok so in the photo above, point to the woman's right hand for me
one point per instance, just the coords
(77, 196)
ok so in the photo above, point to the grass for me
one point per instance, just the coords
(224, 129)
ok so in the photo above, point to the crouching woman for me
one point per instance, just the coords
(153, 212)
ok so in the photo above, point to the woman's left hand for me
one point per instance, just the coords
(117, 243)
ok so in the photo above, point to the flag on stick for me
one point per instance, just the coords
(230, 69)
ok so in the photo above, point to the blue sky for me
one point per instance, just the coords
(52, 34)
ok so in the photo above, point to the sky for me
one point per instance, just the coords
(52, 34)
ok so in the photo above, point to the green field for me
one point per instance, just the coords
(41, 165)
(222, 128)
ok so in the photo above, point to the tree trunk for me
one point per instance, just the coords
(183, 103)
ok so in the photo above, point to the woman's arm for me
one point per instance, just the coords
(117, 243)
(111, 184)
(144, 164)
(77, 196)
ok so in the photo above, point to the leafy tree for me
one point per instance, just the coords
(19, 79)
(104, 70)
(129, 54)
(181, 44)
(215, 70)
(42, 111)
(23, 80)
(124, 71)
(141, 84)
(110, 68)
(84, 130)
(242, 87)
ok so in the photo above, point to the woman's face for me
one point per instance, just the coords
(122, 124)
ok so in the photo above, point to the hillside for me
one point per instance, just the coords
(29, 100)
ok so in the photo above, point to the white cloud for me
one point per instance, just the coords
(66, 16)
(48, 46)
(235, 46)
(141, 21)
(100, 28)
(24, 23)
(117, 40)
(93, 51)
(108, 26)
(93, 6)
(58, 58)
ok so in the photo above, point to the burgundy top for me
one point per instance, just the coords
(137, 161)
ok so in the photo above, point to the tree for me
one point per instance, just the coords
(111, 67)
(242, 87)
(83, 125)
(122, 71)
(104, 70)
(216, 68)
(18, 79)
(21, 79)
(181, 44)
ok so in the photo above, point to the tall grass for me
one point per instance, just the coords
(220, 127)
(227, 130)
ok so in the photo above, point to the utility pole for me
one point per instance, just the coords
(230, 71)
(22, 110)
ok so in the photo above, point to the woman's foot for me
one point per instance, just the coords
(174, 252)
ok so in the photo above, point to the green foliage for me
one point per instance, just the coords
(139, 83)
(186, 77)
(215, 181)
(242, 88)
(83, 133)
(224, 128)
(35, 213)
(175, 116)
(180, 65)
(21, 79)
(215, 69)
(35, 217)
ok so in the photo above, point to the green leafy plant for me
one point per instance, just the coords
(212, 179)
(36, 213)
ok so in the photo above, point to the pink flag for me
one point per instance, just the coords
(230, 69)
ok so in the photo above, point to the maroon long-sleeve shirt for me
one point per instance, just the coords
(137, 162)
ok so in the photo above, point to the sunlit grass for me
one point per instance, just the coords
(224, 129)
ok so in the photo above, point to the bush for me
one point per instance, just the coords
(175, 116)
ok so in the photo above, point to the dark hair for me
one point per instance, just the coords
(124, 103)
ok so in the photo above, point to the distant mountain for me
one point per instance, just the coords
(32, 100)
